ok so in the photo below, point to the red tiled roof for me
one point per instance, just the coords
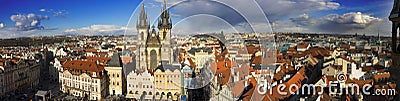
(83, 65)
(369, 68)
(345, 47)
(253, 49)
(248, 95)
(377, 77)
(223, 75)
(192, 64)
(238, 88)
(302, 45)
(62, 60)
(292, 48)
(100, 59)
(271, 57)
(297, 79)
(360, 83)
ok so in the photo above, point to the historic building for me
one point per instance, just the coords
(168, 82)
(84, 78)
(395, 19)
(18, 75)
(55, 65)
(140, 84)
(153, 49)
(155, 76)
(116, 74)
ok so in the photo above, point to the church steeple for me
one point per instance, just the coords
(165, 5)
(165, 19)
(164, 25)
(143, 23)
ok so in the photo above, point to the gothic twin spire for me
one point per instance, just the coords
(165, 21)
(142, 21)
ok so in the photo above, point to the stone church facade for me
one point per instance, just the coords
(153, 48)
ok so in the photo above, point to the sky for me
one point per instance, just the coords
(22, 18)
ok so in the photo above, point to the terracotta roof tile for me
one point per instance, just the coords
(302, 45)
(100, 59)
(238, 88)
(83, 65)
(251, 82)
(297, 79)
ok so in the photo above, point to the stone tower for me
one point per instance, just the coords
(395, 18)
(142, 26)
(164, 28)
(395, 68)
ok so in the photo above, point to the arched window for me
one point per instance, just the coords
(142, 36)
(153, 59)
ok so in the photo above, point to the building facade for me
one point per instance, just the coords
(19, 75)
(140, 84)
(85, 79)
(116, 74)
(153, 48)
(168, 82)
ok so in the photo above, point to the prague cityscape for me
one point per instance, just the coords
(200, 50)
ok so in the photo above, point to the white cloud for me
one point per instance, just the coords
(287, 16)
(28, 22)
(287, 26)
(99, 30)
(2, 25)
(245, 12)
(351, 18)
(274, 9)
(281, 9)
(42, 10)
(14, 32)
(60, 13)
(347, 23)
(304, 20)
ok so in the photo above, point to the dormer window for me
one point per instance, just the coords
(94, 74)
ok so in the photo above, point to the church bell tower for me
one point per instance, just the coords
(164, 27)
(142, 26)
(395, 18)
(395, 67)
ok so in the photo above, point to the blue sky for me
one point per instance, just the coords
(80, 12)
(194, 16)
